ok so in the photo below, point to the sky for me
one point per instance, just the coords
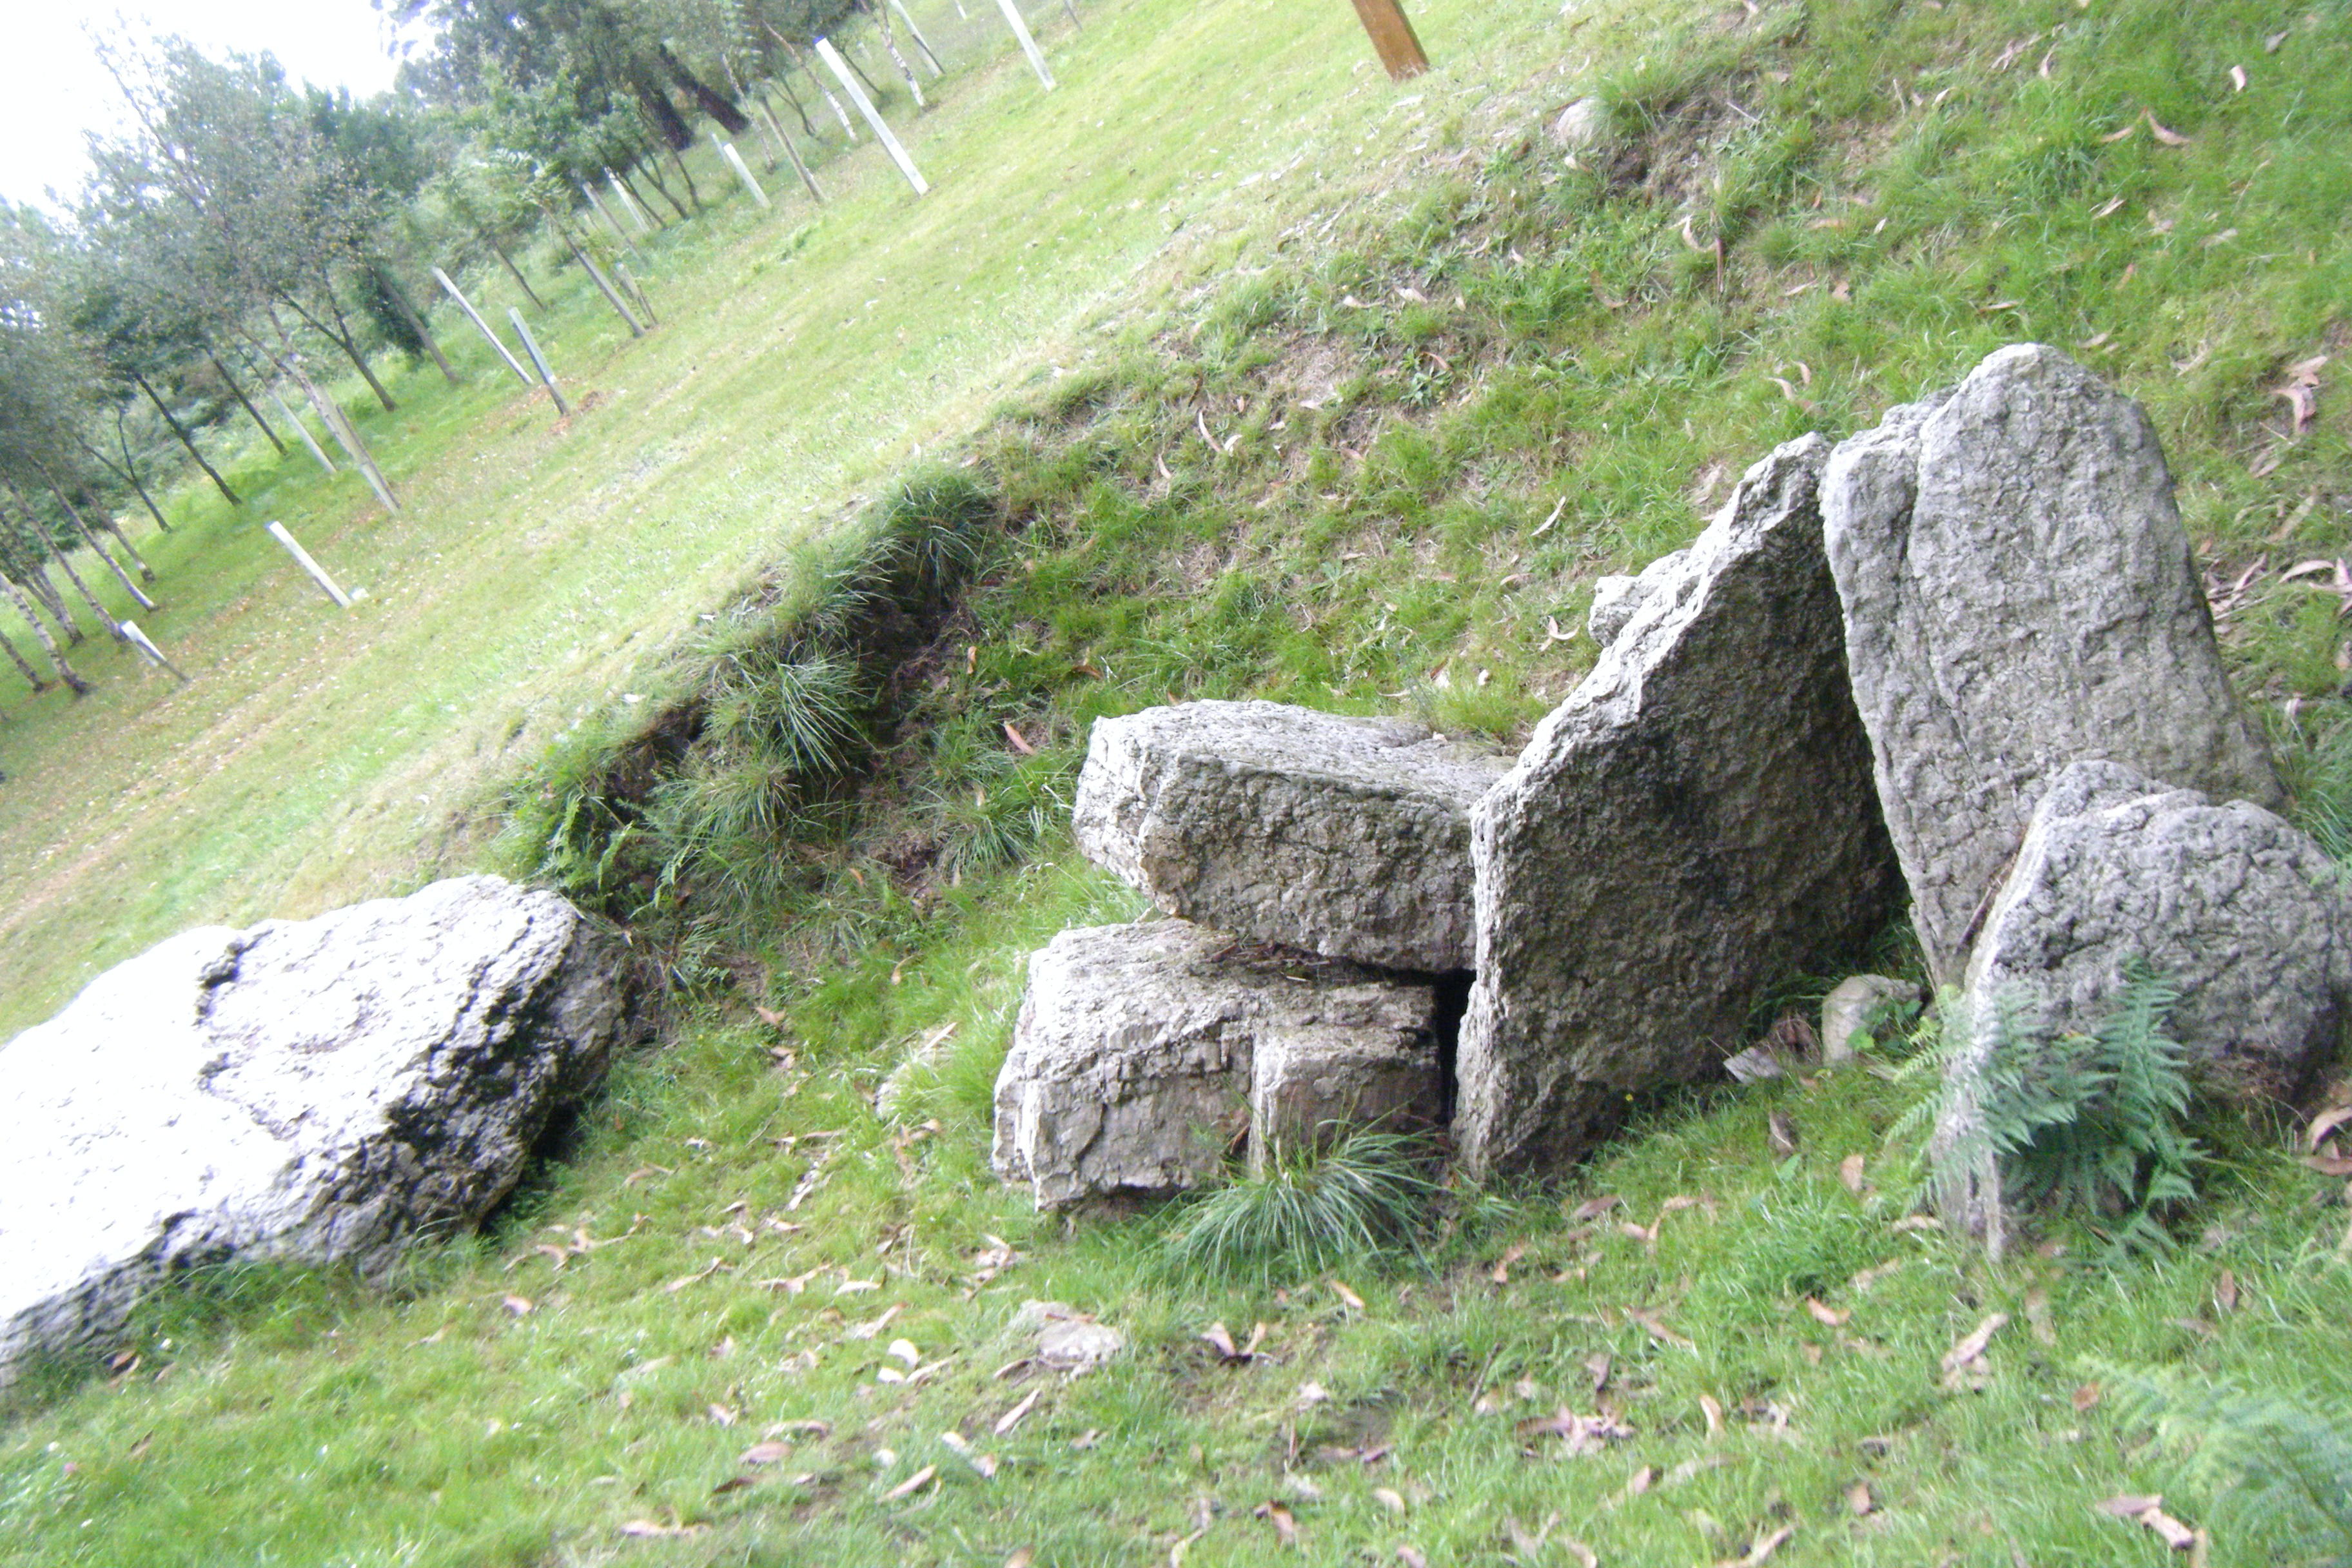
(52, 89)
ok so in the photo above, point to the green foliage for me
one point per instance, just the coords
(2089, 1127)
(1364, 1194)
(2269, 1461)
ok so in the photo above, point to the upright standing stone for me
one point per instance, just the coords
(2019, 594)
(1346, 837)
(1695, 819)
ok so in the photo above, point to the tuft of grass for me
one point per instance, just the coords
(1365, 1194)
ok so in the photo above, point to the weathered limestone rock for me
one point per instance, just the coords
(1350, 837)
(1852, 1005)
(2237, 911)
(311, 1090)
(1382, 1072)
(1582, 126)
(1696, 818)
(2020, 594)
(1134, 1057)
(1616, 600)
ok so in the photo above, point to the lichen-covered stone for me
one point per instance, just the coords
(1696, 818)
(2020, 594)
(1349, 838)
(1308, 1085)
(1133, 1057)
(2229, 906)
(312, 1091)
(1854, 1004)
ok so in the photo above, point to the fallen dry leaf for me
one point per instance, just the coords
(912, 1484)
(1021, 1559)
(2169, 137)
(1278, 1514)
(1826, 1315)
(1763, 1549)
(2130, 1505)
(1849, 1170)
(2174, 1535)
(1390, 1498)
(1593, 1208)
(1347, 1298)
(1410, 1558)
(1858, 1501)
(1020, 743)
(767, 1452)
(2330, 1164)
(2238, 77)
(1971, 1348)
(646, 1527)
(2323, 1125)
(1013, 1417)
(1713, 1411)
(1659, 1332)
(2225, 1292)
(518, 1305)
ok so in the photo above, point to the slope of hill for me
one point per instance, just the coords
(1359, 434)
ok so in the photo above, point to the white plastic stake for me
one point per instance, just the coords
(1028, 45)
(146, 645)
(921, 42)
(457, 294)
(304, 431)
(841, 72)
(530, 345)
(636, 213)
(607, 214)
(743, 170)
(303, 559)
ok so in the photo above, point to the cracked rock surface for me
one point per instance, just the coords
(312, 1091)
(2020, 594)
(1350, 837)
(1138, 1051)
(1696, 818)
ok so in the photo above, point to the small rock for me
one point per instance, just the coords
(1078, 1345)
(2245, 917)
(1350, 837)
(1583, 126)
(1859, 1003)
(2019, 594)
(1371, 1063)
(1697, 817)
(1134, 1056)
(314, 1090)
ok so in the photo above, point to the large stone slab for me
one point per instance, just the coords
(310, 1090)
(1349, 838)
(1134, 1056)
(2241, 913)
(2020, 594)
(1696, 818)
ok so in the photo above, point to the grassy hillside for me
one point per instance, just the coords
(1357, 435)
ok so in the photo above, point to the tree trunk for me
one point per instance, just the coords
(650, 168)
(916, 33)
(890, 43)
(340, 335)
(670, 126)
(387, 281)
(16, 595)
(710, 100)
(515, 272)
(99, 550)
(243, 401)
(802, 60)
(146, 572)
(35, 578)
(786, 84)
(127, 471)
(32, 676)
(603, 284)
(636, 198)
(677, 161)
(186, 440)
(791, 151)
(64, 562)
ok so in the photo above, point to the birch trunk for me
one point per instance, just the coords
(16, 595)
(515, 272)
(99, 550)
(186, 440)
(244, 402)
(32, 676)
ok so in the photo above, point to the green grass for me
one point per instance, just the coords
(1235, 459)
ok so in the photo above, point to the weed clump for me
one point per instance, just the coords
(1365, 1196)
